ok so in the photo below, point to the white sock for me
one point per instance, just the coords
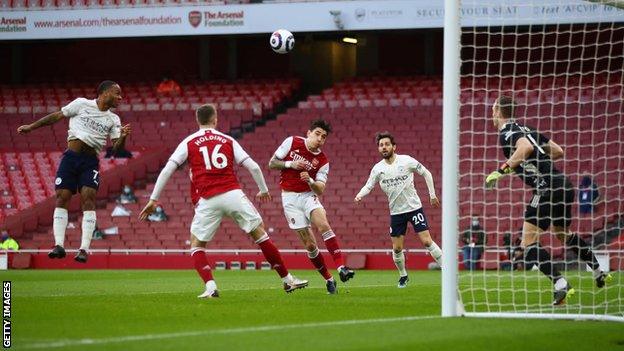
(399, 262)
(59, 225)
(88, 226)
(561, 284)
(288, 278)
(435, 252)
(339, 268)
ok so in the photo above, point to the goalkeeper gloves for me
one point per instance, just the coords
(492, 178)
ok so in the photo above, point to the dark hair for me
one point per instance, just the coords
(507, 106)
(205, 113)
(383, 135)
(104, 86)
(319, 123)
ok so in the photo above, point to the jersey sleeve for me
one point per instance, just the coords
(282, 150)
(115, 132)
(72, 109)
(240, 155)
(414, 166)
(323, 173)
(373, 179)
(180, 154)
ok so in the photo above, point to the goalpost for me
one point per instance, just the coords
(563, 64)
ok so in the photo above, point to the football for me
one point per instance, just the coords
(282, 41)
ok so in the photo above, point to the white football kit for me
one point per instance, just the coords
(89, 124)
(397, 181)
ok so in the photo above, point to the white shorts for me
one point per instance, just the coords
(298, 207)
(233, 204)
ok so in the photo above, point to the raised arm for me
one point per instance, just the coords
(45, 121)
(119, 143)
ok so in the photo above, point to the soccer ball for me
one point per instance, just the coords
(282, 41)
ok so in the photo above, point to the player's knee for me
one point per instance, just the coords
(88, 205)
(397, 249)
(62, 200)
(310, 246)
(426, 240)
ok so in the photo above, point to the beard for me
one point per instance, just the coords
(387, 155)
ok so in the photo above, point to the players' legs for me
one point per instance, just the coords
(584, 252)
(206, 221)
(59, 224)
(270, 251)
(318, 217)
(397, 254)
(238, 207)
(65, 183)
(309, 242)
(87, 199)
(421, 226)
(202, 267)
(432, 247)
(535, 254)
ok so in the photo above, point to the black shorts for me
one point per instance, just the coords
(552, 207)
(398, 222)
(77, 170)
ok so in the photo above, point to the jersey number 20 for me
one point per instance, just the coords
(216, 160)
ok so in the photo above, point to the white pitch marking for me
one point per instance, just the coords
(268, 328)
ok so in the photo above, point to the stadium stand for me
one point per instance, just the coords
(27, 164)
(358, 109)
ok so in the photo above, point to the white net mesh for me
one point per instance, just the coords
(567, 81)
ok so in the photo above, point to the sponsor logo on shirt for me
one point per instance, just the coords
(94, 125)
(307, 164)
(395, 181)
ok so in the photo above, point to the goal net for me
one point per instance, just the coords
(563, 64)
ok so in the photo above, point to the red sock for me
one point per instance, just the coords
(319, 263)
(331, 243)
(201, 264)
(273, 256)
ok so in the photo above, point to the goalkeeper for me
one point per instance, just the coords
(530, 155)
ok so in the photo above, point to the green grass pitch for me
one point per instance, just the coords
(159, 310)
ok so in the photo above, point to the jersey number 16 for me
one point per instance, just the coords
(216, 160)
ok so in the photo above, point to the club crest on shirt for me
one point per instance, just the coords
(315, 162)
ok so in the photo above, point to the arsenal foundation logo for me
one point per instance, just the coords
(195, 18)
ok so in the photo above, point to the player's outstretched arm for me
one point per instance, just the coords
(162, 180)
(45, 121)
(367, 188)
